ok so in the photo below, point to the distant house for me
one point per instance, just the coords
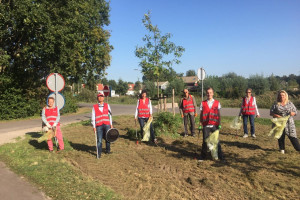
(162, 85)
(130, 90)
(191, 82)
(99, 88)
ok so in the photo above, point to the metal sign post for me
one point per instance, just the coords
(201, 76)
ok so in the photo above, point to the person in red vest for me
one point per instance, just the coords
(143, 113)
(188, 109)
(102, 122)
(248, 109)
(50, 118)
(210, 120)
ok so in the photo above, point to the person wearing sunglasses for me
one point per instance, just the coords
(248, 109)
(188, 111)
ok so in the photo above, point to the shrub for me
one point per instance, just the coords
(14, 105)
(165, 123)
(87, 96)
(70, 103)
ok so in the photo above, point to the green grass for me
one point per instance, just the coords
(50, 171)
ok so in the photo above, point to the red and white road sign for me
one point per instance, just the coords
(106, 90)
(55, 82)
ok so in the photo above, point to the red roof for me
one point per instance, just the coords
(100, 86)
(130, 87)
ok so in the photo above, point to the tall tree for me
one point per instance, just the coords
(191, 72)
(64, 36)
(158, 54)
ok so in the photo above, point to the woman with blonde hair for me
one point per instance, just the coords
(281, 108)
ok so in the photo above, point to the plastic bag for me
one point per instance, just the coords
(236, 123)
(212, 144)
(146, 130)
(280, 124)
(47, 135)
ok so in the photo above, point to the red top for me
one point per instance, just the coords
(188, 105)
(248, 108)
(143, 108)
(101, 117)
(51, 115)
(210, 116)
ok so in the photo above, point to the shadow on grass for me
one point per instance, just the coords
(33, 142)
(86, 148)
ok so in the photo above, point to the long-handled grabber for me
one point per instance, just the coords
(96, 144)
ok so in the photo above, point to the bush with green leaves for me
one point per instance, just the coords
(14, 105)
(87, 96)
(165, 123)
(70, 103)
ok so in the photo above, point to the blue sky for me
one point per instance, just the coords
(247, 37)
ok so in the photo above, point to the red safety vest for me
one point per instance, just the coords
(51, 115)
(188, 105)
(210, 116)
(101, 117)
(248, 108)
(143, 108)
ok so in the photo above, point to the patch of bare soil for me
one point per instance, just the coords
(254, 168)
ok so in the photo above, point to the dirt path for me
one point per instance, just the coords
(254, 169)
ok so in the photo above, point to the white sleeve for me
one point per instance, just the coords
(150, 107)
(93, 118)
(256, 109)
(219, 106)
(136, 110)
(109, 114)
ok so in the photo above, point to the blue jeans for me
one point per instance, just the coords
(245, 120)
(101, 131)
(142, 122)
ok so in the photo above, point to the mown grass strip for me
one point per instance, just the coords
(51, 172)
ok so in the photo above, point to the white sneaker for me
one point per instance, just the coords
(245, 136)
(282, 151)
(254, 136)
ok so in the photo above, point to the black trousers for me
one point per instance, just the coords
(294, 141)
(206, 133)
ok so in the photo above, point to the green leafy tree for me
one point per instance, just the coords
(232, 85)
(191, 72)
(137, 86)
(258, 83)
(158, 54)
(122, 87)
(150, 88)
(64, 36)
(274, 83)
(113, 84)
(178, 86)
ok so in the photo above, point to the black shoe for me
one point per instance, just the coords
(193, 135)
(108, 152)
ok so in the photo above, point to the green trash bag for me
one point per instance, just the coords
(212, 144)
(236, 123)
(280, 124)
(146, 130)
